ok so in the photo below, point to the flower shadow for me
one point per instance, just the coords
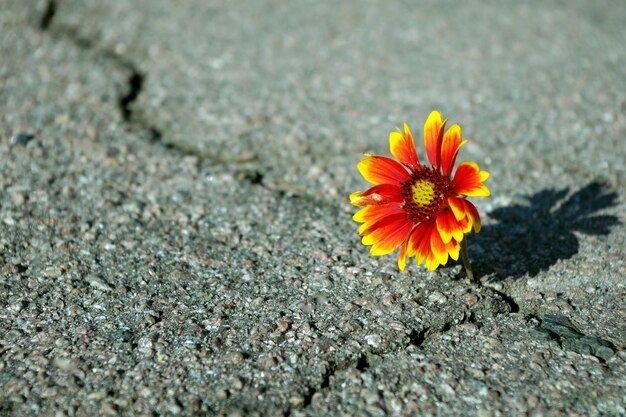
(530, 238)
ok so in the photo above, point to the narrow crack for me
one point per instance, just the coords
(362, 364)
(135, 82)
(48, 15)
(417, 338)
(254, 177)
(312, 389)
(135, 85)
(513, 306)
(308, 396)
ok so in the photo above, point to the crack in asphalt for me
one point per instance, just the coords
(135, 85)
(136, 78)
(48, 15)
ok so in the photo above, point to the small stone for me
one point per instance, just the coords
(54, 271)
(296, 400)
(97, 395)
(64, 364)
(532, 401)
(21, 138)
(484, 413)
(144, 344)
(373, 340)
(221, 394)
(237, 384)
(97, 282)
(283, 325)
(370, 396)
(447, 389)
(471, 299)
(174, 408)
(437, 297)
(234, 357)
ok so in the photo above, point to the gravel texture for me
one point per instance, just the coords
(175, 235)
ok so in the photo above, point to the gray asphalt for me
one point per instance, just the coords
(176, 236)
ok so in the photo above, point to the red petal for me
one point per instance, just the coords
(450, 148)
(449, 227)
(377, 195)
(402, 148)
(438, 249)
(468, 180)
(387, 235)
(433, 135)
(372, 214)
(463, 209)
(453, 249)
(382, 170)
(403, 252)
(419, 241)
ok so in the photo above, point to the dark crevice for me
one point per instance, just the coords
(135, 82)
(308, 396)
(326, 376)
(311, 390)
(48, 15)
(362, 364)
(156, 135)
(254, 177)
(470, 317)
(135, 85)
(513, 306)
(417, 338)
(21, 268)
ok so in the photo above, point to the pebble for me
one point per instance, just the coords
(471, 299)
(437, 297)
(97, 282)
(21, 138)
(296, 400)
(373, 340)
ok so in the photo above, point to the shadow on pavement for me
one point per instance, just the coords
(530, 238)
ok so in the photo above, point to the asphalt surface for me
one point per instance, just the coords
(176, 236)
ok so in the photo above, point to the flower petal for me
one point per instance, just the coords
(431, 262)
(382, 170)
(370, 215)
(449, 227)
(377, 195)
(468, 180)
(463, 209)
(473, 216)
(433, 135)
(438, 249)
(453, 249)
(441, 251)
(419, 242)
(450, 148)
(386, 236)
(403, 252)
(402, 148)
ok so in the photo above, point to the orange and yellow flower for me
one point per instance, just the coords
(421, 209)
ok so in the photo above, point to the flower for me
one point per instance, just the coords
(421, 209)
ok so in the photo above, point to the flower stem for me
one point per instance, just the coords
(466, 262)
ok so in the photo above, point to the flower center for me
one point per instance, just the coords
(425, 194)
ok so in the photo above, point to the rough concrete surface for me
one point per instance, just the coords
(175, 233)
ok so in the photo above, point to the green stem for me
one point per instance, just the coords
(466, 262)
